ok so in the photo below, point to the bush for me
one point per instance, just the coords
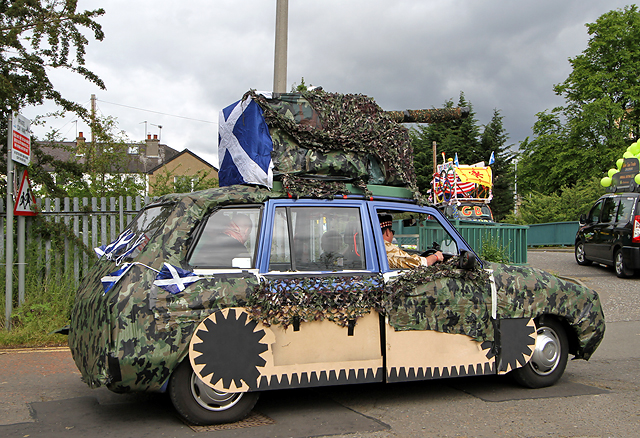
(493, 250)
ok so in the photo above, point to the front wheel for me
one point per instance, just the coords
(549, 357)
(580, 258)
(202, 405)
(621, 269)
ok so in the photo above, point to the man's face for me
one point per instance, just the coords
(387, 235)
(244, 233)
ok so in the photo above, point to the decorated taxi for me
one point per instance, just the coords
(219, 295)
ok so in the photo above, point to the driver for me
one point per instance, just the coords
(399, 259)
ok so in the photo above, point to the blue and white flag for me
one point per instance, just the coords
(173, 279)
(108, 281)
(455, 161)
(244, 145)
(121, 242)
(492, 159)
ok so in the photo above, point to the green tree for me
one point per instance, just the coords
(601, 117)
(464, 137)
(455, 136)
(494, 140)
(168, 182)
(36, 37)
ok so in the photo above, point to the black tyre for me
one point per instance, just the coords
(549, 357)
(580, 258)
(201, 405)
(621, 269)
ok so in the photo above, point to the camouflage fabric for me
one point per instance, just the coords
(528, 292)
(443, 298)
(144, 329)
(336, 135)
(285, 301)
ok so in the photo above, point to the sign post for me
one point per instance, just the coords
(19, 150)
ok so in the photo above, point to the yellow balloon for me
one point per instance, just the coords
(619, 163)
(634, 148)
(627, 154)
(612, 172)
(637, 179)
(605, 182)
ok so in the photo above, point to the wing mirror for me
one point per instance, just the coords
(467, 260)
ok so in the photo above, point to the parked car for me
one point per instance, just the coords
(610, 234)
(309, 300)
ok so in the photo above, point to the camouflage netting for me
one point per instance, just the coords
(339, 299)
(337, 136)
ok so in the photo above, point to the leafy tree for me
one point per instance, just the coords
(565, 205)
(168, 182)
(37, 36)
(465, 138)
(601, 117)
(494, 140)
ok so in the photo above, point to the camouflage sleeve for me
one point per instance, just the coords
(399, 259)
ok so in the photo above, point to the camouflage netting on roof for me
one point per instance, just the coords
(337, 136)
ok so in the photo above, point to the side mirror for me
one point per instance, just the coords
(467, 260)
(584, 219)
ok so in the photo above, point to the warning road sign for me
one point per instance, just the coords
(25, 202)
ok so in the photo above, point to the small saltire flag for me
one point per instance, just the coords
(121, 242)
(244, 145)
(108, 281)
(173, 279)
(492, 159)
(455, 161)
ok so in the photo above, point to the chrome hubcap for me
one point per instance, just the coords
(210, 399)
(619, 263)
(580, 253)
(546, 354)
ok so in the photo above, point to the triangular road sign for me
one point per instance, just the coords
(25, 199)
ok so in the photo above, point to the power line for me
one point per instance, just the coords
(157, 112)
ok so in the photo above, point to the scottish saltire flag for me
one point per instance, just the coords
(244, 145)
(455, 161)
(130, 249)
(121, 242)
(108, 281)
(492, 159)
(173, 279)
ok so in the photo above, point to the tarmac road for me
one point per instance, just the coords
(41, 394)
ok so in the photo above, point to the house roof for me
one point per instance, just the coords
(138, 162)
(176, 156)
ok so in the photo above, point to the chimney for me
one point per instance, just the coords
(80, 145)
(80, 139)
(152, 146)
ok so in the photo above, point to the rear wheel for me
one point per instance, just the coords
(202, 405)
(621, 269)
(549, 357)
(580, 258)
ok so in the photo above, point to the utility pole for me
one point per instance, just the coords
(280, 60)
(93, 115)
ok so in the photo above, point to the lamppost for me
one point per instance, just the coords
(280, 59)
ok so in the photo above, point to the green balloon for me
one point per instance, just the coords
(619, 163)
(634, 148)
(605, 182)
(612, 172)
(628, 154)
(637, 178)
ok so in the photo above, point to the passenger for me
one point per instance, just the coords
(399, 259)
(331, 258)
(231, 243)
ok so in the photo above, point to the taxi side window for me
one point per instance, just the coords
(228, 239)
(317, 239)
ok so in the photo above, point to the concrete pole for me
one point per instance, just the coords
(280, 59)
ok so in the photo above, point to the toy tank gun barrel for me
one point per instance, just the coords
(434, 115)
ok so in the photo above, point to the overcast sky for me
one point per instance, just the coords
(178, 63)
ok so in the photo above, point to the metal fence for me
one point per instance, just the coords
(64, 223)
